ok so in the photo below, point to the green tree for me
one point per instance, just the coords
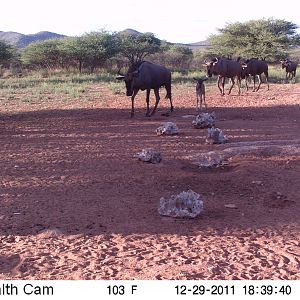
(270, 39)
(179, 57)
(135, 47)
(97, 48)
(6, 53)
(90, 51)
(45, 54)
(74, 49)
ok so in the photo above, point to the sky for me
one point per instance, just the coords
(184, 21)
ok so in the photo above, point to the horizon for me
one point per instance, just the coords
(173, 22)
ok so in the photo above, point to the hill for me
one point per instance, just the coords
(20, 40)
(197, 45)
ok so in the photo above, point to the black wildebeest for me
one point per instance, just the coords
(146, 76)
(225, 68)
(200, 92)
(256, 67)
(290, 68)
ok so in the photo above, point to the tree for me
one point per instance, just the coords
(135, 47)
(75, 50)
(180, 57)
(267, 39)
(45, 54)
(6, 53)
(98, 48)
(90, 50)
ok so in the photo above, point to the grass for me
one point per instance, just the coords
(40, 87)
(117, 88)
(179, 78)
(277, 75)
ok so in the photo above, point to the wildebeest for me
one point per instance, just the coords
(256, 67)
(225, 68)
(290, 68)
(146, 76)
(200, 92)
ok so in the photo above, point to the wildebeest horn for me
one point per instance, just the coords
(120, 77)
(119, 72)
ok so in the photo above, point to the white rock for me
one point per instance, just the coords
(230, 205)
(184, 205)
(204, 120)
(188, 116)
(167, 128)
(210, 159)
(215, 136)
(149, 155)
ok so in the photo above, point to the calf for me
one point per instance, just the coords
(200, 92)
(290, 68)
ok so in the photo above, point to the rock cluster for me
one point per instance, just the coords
(204, 120)
(167, 128)
(184, 205)
(149, 155)
(215, 136)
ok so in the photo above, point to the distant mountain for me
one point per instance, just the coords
(197, 45)
(130, 31)
(20, 40)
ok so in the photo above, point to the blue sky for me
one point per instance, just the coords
(175, 21)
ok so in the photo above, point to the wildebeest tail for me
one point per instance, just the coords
(266, 74)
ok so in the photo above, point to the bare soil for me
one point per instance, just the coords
(76, 204)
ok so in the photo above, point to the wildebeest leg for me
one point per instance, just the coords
(253, 83)
(197, 101)
(169, 95)
(223, 84)
(259, 82)
(203, 96)
(232, 81)
(246, 82)
(132, 102)
(147, 102)
(239, 84)
(267, 78)
(219, 80)
(201, 99)
(156, 92)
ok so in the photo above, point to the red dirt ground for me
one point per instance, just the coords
(76, 204)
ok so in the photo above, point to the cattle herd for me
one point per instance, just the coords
(146, 76)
